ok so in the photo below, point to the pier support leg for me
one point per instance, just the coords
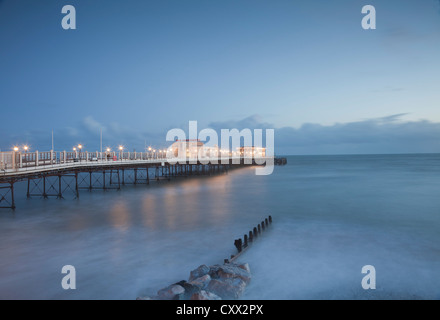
(28, 194)
(76, 185)
(60, 190)
(12, 196)
(44, 188)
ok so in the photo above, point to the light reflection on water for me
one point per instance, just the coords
(332, 215)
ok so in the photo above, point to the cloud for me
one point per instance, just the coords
(114, 134)
(388, 134)
(73, 132)
(92, 125)
(252, 122)
(389, 119)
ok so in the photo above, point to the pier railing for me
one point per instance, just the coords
(16, 162)
(22, 160)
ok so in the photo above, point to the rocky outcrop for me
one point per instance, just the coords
(231, 271)
(205, 295)
(217, 282)
(201, 282)
(170, 293)
(199, 272)
(228, 288)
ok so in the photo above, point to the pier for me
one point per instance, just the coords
(53, 174)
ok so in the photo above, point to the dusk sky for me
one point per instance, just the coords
(137, 68)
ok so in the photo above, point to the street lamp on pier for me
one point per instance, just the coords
(121, 148)
(80, 146)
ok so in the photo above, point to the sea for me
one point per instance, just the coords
(332, 215)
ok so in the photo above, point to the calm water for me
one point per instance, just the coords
(332, 215)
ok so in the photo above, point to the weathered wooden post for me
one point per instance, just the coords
(239, 245)
(242, 246)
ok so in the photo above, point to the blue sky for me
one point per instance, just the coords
(138, 68)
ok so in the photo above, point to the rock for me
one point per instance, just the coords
(190, 289)
(199, 272)
(170, 293)
(217, 282)
(230, 271)
(201, 282)
(245, 267)
(227, 289)
(205, 295)
(144, 298)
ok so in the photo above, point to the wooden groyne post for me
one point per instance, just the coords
(243, 244)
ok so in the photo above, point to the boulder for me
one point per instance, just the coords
(245, 267)
(190, 289)
(145, 298)
(230, 271)
(227, 289)
(199, 272)
(201, 282)
(171, 293)
(217, 282)
(205, 295)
